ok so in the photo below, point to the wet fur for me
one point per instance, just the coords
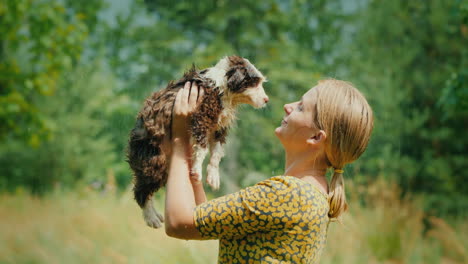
(209, 125)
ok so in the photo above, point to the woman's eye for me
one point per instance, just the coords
(299, 107)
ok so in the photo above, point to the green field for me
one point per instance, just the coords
(85, 226)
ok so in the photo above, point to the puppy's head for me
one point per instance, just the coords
(244, 83)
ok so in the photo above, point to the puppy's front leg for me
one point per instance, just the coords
(217, 152)
(198, 155)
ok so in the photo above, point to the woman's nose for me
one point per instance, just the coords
(287, 108)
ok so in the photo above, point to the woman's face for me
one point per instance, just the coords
(297, 125)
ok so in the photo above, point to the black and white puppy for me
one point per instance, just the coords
(231, 82)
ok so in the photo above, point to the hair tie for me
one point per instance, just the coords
(339, 171)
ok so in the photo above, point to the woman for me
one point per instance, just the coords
(284, 218)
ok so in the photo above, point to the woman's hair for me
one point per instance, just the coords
(347, 119)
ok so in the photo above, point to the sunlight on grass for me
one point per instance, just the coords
(89, 227)
(382, 227)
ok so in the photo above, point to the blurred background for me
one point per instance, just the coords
(74, 74)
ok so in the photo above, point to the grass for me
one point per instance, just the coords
(382, 227)
(89, 227)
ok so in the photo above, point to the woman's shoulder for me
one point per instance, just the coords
(293, 184)
(280, 182)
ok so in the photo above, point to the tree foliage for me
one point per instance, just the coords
(79, 148)
(413, 69)
(41, 41)
(73, 77)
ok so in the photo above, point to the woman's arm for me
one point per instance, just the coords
(181, 196)
(199, 192)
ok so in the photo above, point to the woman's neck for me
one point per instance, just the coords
(310, 169)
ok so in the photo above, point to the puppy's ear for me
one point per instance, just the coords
(235, 77)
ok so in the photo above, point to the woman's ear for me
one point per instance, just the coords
(317, 138)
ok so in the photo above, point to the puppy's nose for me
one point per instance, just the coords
(266, 99)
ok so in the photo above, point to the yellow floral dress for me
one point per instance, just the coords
(279, 220)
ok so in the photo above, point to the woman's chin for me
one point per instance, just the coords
(278, 131)
(279, 134)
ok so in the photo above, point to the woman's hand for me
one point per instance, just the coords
(186, 102)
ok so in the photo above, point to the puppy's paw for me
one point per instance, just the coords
(194, 178)
(152, 217)
(213, 177)
(196, 174)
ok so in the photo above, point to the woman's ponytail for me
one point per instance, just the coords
(346, 117)
(336, 196)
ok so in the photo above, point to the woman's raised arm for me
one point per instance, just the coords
(181, 195)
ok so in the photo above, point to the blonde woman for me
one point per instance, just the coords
(284, 218)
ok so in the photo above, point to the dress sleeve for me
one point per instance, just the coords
(264, 206)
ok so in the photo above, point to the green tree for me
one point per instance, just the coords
(410, 57)
(41, 40)
(80, 147)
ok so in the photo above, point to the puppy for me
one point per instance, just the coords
(232, 81)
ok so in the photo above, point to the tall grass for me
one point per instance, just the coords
(89, 227)
(384, 227)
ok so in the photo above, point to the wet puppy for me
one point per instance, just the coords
(232, 81)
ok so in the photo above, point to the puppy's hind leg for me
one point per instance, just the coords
(151, 216)
(144, 197)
